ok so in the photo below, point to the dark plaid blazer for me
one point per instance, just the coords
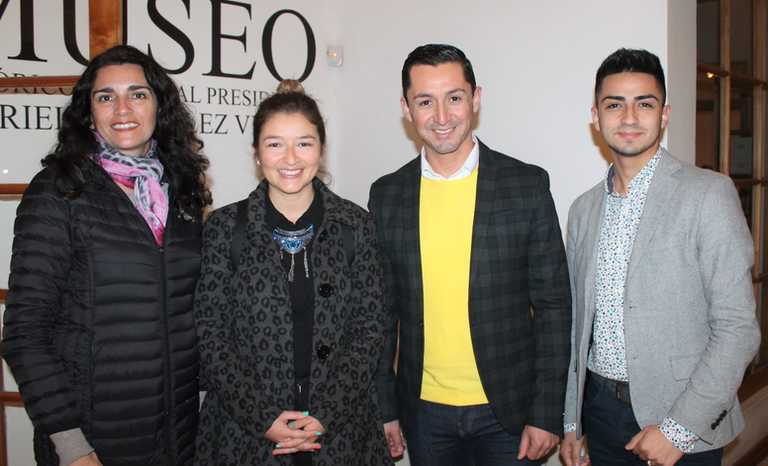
(519, 297)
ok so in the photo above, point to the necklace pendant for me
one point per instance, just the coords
(293, 242)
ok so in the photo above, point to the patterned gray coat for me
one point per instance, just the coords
(244, 321)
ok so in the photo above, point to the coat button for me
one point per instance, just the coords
(323, 351)
(325, 290)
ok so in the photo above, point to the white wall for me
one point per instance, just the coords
(534, 60)
(681, 79)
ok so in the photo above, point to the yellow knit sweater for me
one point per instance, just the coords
(447, 210)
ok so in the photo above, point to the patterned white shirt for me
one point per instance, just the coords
(607, 356)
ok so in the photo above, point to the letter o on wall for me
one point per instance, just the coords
(266, 44)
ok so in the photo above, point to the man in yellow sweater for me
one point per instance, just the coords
(477, 278)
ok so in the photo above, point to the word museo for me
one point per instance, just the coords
(27, 50)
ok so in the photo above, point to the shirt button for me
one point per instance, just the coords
(326, 290)
(323, 351)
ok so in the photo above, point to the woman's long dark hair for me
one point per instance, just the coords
(179, 148)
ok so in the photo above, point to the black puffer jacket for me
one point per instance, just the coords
(99, 331)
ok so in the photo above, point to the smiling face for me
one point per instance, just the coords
(124, 108)
(630, 115)
(289, 151)
(440, 104)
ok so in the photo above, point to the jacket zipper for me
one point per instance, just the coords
(169, 441)
(166, 365)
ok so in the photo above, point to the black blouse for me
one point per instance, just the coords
(301, 292)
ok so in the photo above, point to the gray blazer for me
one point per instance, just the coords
(689, 314)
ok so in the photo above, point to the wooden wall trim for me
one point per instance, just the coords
(11, 399)
(755, 455)
(12, 189)
(753, 383)
(50, 83)
(725, 87)
(106, 24)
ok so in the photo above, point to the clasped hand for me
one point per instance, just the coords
(294, 431)
(651, 445)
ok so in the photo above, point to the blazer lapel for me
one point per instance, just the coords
(660, 192)
(591, 244)
(486, 188)
(409, 222)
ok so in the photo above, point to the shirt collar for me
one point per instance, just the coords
(638, 181)
(469, 165)
(312, 216)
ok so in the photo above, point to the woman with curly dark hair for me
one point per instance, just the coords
(99, 331)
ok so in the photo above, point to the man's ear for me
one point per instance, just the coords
(406, 109)
(595, 119)
(476, 99)
(665, 116)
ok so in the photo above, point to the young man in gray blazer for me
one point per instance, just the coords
(660, 261)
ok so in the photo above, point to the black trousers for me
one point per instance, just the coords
(610, 424)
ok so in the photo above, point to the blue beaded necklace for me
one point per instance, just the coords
(293, 242)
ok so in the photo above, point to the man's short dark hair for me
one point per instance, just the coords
(436, 54)
(631, 61)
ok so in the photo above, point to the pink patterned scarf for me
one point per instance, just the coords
(142, 174)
